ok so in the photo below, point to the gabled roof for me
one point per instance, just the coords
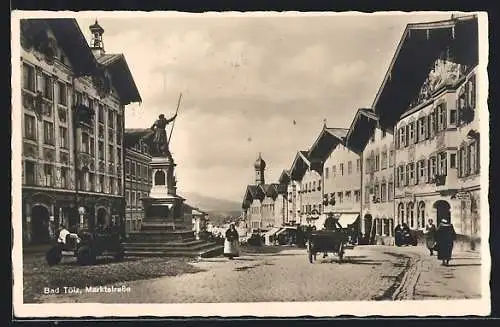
(282, 188)
(327, 140)
(70, 38)
(362, 128)
(270, 190)
(299, 165)
(417, 50)
(284, 177)
(122, 78)
(252, 192)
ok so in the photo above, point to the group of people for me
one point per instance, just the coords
(440, 239)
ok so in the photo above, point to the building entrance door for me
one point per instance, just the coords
(40, 225)
(442, 211)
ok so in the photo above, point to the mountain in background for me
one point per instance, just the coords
(217, 209)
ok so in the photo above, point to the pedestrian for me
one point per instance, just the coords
(232, 244)
(398, 235)
(430, 236)
(445, 237)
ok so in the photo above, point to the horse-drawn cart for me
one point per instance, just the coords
(334, 241)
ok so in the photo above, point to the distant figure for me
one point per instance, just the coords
(398, 235)
(445, 237)
(430, 236)
(330, 222)
(160, 141)
(232, 243)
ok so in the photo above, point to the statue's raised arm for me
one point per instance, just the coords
(160, 141)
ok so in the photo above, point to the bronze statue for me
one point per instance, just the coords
(160, 140)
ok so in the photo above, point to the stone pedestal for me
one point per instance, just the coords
(163, 230)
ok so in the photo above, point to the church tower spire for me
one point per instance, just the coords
(260, 166)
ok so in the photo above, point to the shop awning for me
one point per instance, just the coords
(346, 219)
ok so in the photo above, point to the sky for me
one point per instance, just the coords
(251, 84)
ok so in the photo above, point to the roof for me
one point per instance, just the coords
(70, 38)
(122, 78)
(327, 140)
(270, 190)
(132, 136)
(362, 128)
(419, 47)
(284, 177)
(299, 165)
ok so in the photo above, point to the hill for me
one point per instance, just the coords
(218, 209)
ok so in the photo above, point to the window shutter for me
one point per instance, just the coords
(429, 170)
(424, 168)
(445, 114)
(429, 126)
(397, 176)
(407, 175)
(397, 139)
(407, 135)
(473, 91)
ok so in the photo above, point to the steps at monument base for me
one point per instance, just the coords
(145, 236)
(208, 252)
(190, 246)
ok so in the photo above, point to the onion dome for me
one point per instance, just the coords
(260, 164)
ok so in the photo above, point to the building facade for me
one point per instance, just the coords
(300, 189)
(264, 204)
(138, 179)
(73, 99)
(434, 115)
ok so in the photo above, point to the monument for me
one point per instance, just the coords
(164, 231)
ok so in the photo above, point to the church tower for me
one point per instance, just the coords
(260, 166)
(96, 44)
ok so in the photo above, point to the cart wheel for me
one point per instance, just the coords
(341, 252)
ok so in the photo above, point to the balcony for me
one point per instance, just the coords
(440, 180)
(84, 114)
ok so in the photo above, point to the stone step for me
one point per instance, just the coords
(160, 231)
(167, 247)
(212, 251)
(170, 244)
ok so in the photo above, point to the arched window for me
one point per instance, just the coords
(159, 177)
(421, 214)
(409, 215)
(401, 213)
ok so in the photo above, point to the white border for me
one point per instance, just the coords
(286, 309)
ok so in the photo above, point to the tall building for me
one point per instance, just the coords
(429, 98)
(263, 204)
(138, 178)
(303, 186)
(376, 147)
(73, 99)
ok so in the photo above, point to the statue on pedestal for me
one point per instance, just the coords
(158, 137)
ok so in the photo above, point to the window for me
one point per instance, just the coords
(48, 133)
(111, 153)
(101, 113)
(326, 172)
(411, 133)
(383, 192)
(432, 168)
(138, 170)
(111, 136)
(133, 170)
(384, 159)
(101, 183)
(349, 167)
(421, 214)
(401, 213)
(442, 164)
(64, 177)
(377, 161)
(29, 173)
(441, 118)
(112, 185)
(334, 171)
(28, 77)
(92, 146)
(411, 174)
(402, 137)
(390, 191)
(111, 121)
(29, 127)
(367, 166)
(91, 182)
(453, 160)
(63, 137)
(341, 169)
(357, 195)
(118, 154)
(127, 197)
(473, 158)
(391, 158)
(401, 175)
(127, 168)
(376, 192)
(340, 196)
(431, 124)
(101, 150)
(409, 214)
(62, 94)
(421, 174)
(134, 202)
(78, 98)
(367, 194)
(421, 124)
(49, 174)
(453, 116)
(348, 195)
(85, 143)
(358, 165)
(44, 85)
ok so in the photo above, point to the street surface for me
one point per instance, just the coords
(367, 273)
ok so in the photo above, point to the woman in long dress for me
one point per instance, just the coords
(445, 236)
(430, 236)
(232, 242)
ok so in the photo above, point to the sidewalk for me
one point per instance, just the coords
(461, 279)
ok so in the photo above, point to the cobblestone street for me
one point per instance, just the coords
(368, 273)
